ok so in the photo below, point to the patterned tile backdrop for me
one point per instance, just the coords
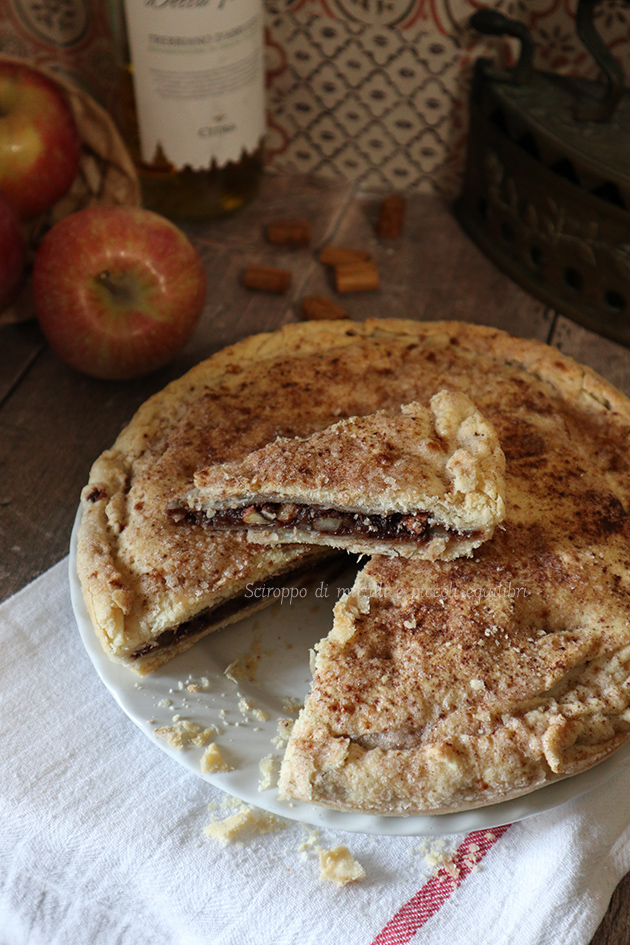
(70, 37)
(377, 90)
(371, 90)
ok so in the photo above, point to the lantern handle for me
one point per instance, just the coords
(588, 107)
(493, 23)
(602, 109)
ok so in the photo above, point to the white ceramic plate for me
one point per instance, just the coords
(279, 638)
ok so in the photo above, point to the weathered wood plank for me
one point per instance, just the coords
(51, 429)
(321, 201)
(615, 926)
(232, 311)
(432, 272)
(20, 345)
(229, 246)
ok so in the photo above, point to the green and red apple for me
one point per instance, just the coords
(117, 290)
(39, 142)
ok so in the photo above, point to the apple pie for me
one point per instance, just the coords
(443, 685)
(418, 482)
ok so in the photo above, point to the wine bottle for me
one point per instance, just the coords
(191, 103)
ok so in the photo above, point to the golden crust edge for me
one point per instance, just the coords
(290, 790)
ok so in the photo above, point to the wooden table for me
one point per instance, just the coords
(55, 422)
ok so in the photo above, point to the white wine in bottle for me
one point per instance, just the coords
(191, 103)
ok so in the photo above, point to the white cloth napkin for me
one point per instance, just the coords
(101, 837)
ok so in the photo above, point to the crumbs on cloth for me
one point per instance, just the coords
(247, 820)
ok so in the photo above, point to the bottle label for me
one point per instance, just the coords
(198, 73)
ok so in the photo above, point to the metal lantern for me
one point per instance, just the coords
(547, 185)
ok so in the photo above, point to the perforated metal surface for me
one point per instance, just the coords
(547, 197)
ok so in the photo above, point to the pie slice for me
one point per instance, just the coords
(415, 482)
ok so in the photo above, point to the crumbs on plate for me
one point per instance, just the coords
(183, 734)
(212, 760)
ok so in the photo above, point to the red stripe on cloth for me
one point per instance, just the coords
(431, 897)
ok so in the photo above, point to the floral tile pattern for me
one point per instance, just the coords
(377, 90)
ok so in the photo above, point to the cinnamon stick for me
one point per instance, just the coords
(293, 233)
(338, 256)
(391, 216)
(267, 279)
(319, 308)
(357, 276)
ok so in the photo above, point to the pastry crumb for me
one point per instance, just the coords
(292, 706)
(184, 734)
(212, 761)
(245, 665)
(246, 707)
(235, 671)
(285, 726)
(444, 860)
(339, 866)
(230, 802)
(269, 769)
(312, 836)
(247, 820)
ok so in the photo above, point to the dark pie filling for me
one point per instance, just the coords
(398, 526)
(255, 591)
(395, 527)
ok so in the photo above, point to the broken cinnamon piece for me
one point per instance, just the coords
(357, 277)
(319, 308)
(267, 279)
(337, 256)
(391, 216)
(293, 233)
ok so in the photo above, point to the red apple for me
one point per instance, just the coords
(39, 141)
(12, 253)
(117, 290)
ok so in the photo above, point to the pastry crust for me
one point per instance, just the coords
(444, 690)
(538, 687)
(444, 460)
(449, 686)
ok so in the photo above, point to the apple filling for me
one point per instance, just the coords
(397, 526)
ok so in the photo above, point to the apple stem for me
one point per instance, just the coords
(114, 288)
